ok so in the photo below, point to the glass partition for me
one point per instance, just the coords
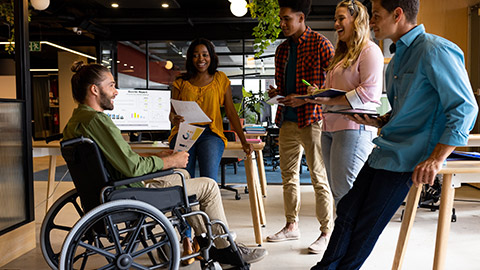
(12, 166)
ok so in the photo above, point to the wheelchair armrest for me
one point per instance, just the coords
(55, 137)
(141, 178)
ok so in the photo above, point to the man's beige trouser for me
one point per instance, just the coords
(292, 140)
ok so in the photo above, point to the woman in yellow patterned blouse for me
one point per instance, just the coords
(209, 88)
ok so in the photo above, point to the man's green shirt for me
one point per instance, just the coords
(122, 162)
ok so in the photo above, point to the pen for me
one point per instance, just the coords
(306, 83)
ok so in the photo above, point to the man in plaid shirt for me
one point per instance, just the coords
(304, 55)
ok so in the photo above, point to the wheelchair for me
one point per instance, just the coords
(121, 227)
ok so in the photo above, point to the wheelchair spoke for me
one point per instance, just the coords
(139, 266)
(150, 255)
(97, 250)
(61, 227)
(150, 248)
(133, 236)
(78, 208)
(84, 262)
(114, 234)
(161, 265)
(106, 267)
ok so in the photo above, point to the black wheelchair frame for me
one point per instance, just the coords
(120, 228)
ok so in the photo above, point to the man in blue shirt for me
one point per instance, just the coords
(433, 111)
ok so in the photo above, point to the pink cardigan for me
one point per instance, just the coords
(364, 82)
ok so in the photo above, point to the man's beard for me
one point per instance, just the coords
(105, 101)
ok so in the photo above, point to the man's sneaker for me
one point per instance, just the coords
(284, 235)
(320, 245)
(251, 255)
(228, 258)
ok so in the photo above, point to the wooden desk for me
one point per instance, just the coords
(454, 173)
(234, 149)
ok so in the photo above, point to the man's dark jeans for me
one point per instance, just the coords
(362, 214)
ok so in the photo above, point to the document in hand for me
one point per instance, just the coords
(370, 113)
(323, 93)
(186, 137)
(191, 112)
(274, 100)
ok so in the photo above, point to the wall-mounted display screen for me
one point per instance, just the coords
(141, 110)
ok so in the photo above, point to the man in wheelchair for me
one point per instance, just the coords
(93, 87)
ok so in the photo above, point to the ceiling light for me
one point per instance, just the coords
(67, 49)
(115, 5)
(239, 8)
(40, 4)
(131, 66)
(44, 70)
(168, 64)
(165, 5)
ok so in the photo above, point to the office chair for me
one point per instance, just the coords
(272, 145)
(429, 197)
(231, 137)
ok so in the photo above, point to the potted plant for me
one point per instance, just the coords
(252, 102)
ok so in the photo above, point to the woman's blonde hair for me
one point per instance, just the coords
(361, 35)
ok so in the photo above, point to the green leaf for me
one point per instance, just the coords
(267, 30)
(245, 93)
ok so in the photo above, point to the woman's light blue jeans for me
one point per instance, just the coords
(208, 151)
(344, 153)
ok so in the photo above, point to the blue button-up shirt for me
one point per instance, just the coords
(431, 98)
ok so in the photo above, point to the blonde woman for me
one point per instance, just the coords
(357, 67)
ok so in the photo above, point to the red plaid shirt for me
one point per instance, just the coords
(314, 52)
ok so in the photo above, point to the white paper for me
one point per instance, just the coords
(186, 137)
(191, 112)
(274, 100)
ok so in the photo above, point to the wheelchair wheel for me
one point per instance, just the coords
(121, 234)
(55, 227)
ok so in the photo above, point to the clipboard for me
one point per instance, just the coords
(324, 93)
(370, 113)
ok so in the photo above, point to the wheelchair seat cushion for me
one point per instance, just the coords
(165, 199)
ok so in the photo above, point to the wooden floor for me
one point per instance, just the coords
(463, 247)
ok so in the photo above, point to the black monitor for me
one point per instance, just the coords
(141, 110)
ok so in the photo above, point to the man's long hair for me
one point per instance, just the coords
(85, 75)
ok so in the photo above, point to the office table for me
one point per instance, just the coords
(233, 149)
(454, 173)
